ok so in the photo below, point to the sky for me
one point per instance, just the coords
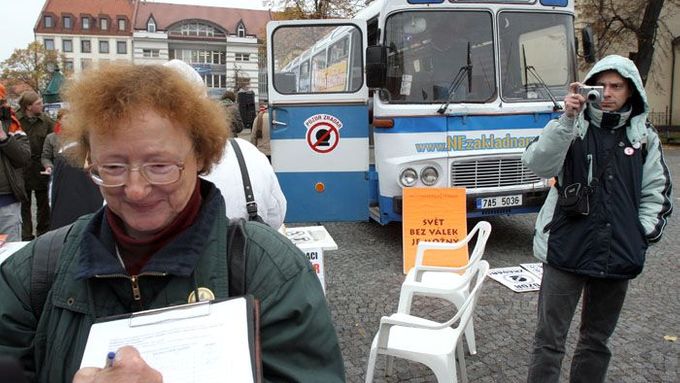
(16, 27)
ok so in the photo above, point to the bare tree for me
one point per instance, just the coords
(30, 66)
(316, 9)
(241, 79)
(629, 23)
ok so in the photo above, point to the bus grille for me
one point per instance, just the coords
(489, 173)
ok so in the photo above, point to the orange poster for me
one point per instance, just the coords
(435, 215)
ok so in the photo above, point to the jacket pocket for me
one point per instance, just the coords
(557, 222)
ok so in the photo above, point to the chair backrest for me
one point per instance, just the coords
(466, 310)
(482, 230)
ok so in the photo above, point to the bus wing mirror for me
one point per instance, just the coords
(588, 45)
(376, 65)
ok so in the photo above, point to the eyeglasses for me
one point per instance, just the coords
(155, 173)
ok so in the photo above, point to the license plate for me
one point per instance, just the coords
(500, 201)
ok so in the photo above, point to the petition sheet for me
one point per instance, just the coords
(199, 343)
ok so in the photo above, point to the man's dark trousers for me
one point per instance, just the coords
(557, 301)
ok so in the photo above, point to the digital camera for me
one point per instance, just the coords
(592, 94)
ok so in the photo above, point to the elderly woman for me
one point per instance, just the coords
(148, 133)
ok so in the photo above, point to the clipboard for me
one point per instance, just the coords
(208, 341)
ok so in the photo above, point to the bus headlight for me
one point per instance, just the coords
(429, 176)
(408, 177)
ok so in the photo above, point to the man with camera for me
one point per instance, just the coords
(611, 199)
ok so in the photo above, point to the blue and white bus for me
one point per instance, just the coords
(416, 93)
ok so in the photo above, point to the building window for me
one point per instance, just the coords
(68, 24)
(215, 80)
(68, 66)
(242, 57)
(85, 63)
(85, 46)
(48, 21)
(151, 25)
(104, 24)
(85, 23)
(121, 24)
(241, 31)
(197, 29)
(121, 47)
(67, 45)
(103, 46)
(49, 44)
(151, 52)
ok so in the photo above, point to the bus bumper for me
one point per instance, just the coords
(531, 202)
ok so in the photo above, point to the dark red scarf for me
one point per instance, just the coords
(137, 252)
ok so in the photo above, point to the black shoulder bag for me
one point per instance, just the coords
(574, 199)
(251, 205)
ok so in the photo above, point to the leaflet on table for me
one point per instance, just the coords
(198, 342)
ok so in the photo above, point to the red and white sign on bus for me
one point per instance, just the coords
(323, 132)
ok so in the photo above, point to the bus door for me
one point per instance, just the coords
(318, 109)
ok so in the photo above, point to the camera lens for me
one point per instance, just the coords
(593, 96)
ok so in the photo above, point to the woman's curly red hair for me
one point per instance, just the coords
(100, 99)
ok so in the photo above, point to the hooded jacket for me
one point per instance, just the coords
(298, 341)
(631, 200)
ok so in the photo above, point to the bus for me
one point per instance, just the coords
(416, 93)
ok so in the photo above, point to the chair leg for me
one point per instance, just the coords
(389, 365)
(444, 369)
(458, 300)
(405, 300)
(470, 337)
(461, 361)
(370, 370)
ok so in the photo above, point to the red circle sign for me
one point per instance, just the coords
(323, 137)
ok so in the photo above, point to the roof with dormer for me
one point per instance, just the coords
(94, 9)
(166, 15)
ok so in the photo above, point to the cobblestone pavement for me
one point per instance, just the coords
(364, 277)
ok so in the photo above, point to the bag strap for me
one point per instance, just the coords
(236, 256)
(251, 205)
(46, 251)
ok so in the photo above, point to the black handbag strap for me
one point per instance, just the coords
(251, 205)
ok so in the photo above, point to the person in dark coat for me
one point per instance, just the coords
(37, 126)
(15, 153)
(72, 192)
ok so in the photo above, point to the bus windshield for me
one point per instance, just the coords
(428, 50)
(536, 51)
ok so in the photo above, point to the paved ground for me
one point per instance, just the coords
(364, 276)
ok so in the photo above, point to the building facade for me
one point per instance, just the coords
(220, 43)
(86, 31)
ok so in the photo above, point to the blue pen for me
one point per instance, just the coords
(109, 359)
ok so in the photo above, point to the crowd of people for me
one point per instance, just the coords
(170, 181)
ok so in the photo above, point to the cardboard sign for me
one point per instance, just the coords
(516, 279)
(315, 257)
(310, 237)
(534, 268)
(435, 215)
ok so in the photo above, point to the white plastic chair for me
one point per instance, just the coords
(436, 345)
(447, 283)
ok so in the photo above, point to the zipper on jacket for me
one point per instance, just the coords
(134, 281)
(136, 294)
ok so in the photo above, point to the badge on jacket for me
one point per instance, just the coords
(204, 294)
